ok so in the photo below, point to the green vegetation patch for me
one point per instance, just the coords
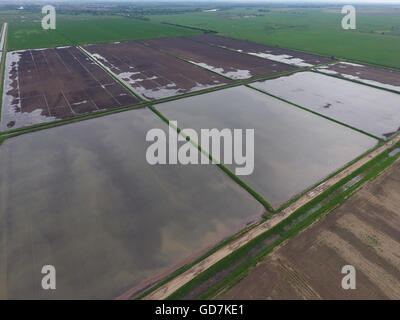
(309, 30)
(29, 35)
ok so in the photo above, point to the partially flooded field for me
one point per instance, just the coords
(296, 58)
(151, 74)
(43, 85)
(380, 77)
(293, 149)
(231, 64)
(372, 110)
(363, 232)
(83, 198)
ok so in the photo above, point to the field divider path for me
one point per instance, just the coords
(143, 103)
(109, 72)
(3, 195)
(170, 287)
(233, 176)
(3, 54)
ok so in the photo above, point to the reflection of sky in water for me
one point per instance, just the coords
(293, 148)
(372, 110)
(83, 198)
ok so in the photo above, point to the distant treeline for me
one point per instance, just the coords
(189, 27)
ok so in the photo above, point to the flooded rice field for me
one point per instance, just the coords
(83, 198)
(231, 64)
(296, 58)
(369, 109)
(150, 73)
(380, 77)
(44, 85)
(293, 148)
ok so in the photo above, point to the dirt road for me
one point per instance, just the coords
(170, 287)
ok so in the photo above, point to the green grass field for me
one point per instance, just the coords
(376, 40)
(24, 35)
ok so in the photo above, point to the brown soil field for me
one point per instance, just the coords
(364, 232)
(296, 58)
(48, 84)
(380, 77)
(150, 73)
(230, 64)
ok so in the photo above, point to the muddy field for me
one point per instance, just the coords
(152, 74)
(364, 232)
(369, 109)
(292, 57)
(380, 77)
(49, 84)
(231, 64)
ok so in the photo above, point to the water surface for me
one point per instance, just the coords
(82, 198)
(294, 149)
(372, 110)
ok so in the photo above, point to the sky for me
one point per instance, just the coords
(215, 1)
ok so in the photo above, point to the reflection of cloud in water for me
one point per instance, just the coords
(104, 216)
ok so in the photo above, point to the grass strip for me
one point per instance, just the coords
(146, 103)
(295, 198)
(245, 269)
(189, 265)
(2, 68)
(14, 133)
(256, 195)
